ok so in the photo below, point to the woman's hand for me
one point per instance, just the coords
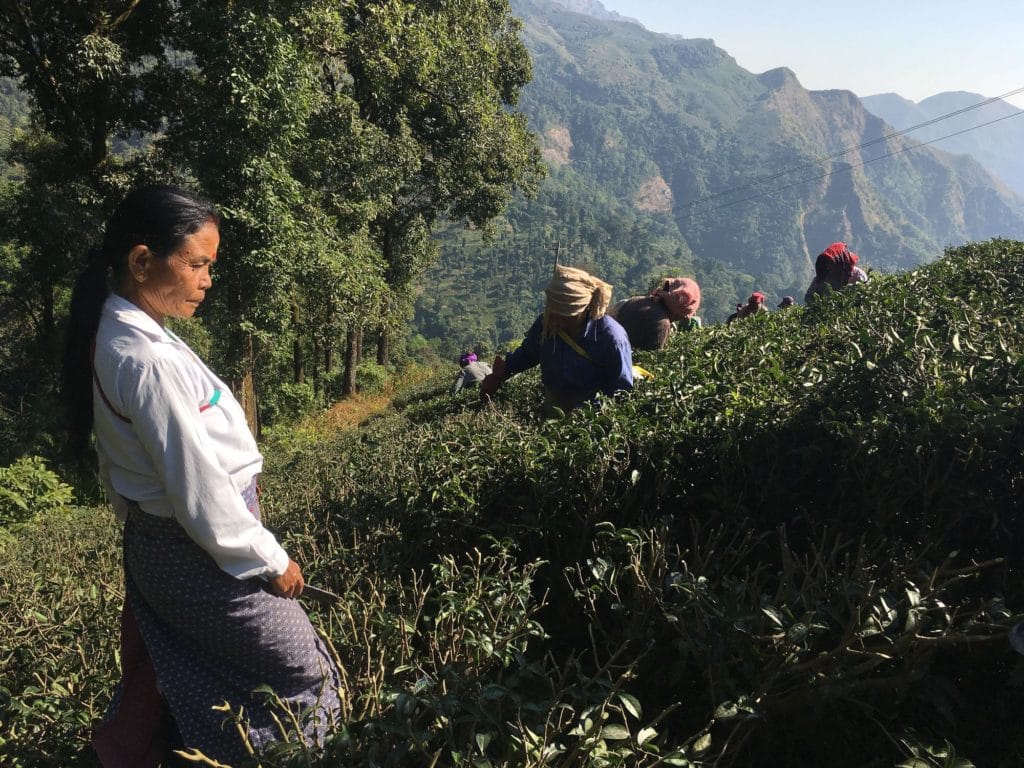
(490, 385)
(289, 583)
(492, 382)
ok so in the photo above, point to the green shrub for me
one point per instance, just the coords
(371, 378)
(61, 591)
(290, 401)
(417, 343)
(29, 488)
(803, 518)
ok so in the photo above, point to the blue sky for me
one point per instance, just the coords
(910, 47)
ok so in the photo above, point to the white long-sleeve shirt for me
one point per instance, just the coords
(172, 438)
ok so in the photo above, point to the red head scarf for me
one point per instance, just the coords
(681, 297)
(835, 264)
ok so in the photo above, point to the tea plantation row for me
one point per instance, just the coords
(800, 545)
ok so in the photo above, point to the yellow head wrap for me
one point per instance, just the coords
(572, 291)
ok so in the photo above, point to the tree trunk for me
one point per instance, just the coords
(50, 347)
(328, 358)
(298, 359)
(391, 276)
(383, 347)
(348, 376)
(359, 345)
(98, 139)
(318, 380)
(247, 390)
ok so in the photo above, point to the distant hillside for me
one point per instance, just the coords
(13, 106)
(14, 110)
(997, 146)
(667, 156)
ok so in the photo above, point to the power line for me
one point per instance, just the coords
(850, 167)
(763, 179)
(818, 161)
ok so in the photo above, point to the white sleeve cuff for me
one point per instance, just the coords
(278, 563)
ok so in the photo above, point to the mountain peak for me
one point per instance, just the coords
(953, 117)
(594, 8)
(779, 77)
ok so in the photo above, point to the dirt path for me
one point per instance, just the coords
(355, 410)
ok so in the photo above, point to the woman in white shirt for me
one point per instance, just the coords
(209, 610)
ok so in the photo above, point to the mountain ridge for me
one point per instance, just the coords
(995, 146)
(596, 9)
(666, 156)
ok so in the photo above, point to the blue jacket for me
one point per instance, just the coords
(563, 369)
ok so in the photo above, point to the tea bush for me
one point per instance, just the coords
(800, 545)
(60, 597)
(371, 378)
(28, 487)
(808, 523)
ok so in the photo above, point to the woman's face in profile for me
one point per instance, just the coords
(177, 285)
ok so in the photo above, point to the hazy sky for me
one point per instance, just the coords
(915, 48)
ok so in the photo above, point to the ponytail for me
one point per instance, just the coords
(90, 291)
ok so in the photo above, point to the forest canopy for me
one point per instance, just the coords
(332, 136)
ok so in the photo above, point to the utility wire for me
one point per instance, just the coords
(851, 166)
(764, 179)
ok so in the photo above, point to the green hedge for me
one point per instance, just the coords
(815, 513)
(799, 545)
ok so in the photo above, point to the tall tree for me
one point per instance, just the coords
(331, 134)
(237, 111)
(439, 78)
(83, 66)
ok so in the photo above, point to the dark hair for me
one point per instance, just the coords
(159, 217)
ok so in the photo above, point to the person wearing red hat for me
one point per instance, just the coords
(754, 305)
(834, 269)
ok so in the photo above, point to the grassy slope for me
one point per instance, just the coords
(800, 542)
